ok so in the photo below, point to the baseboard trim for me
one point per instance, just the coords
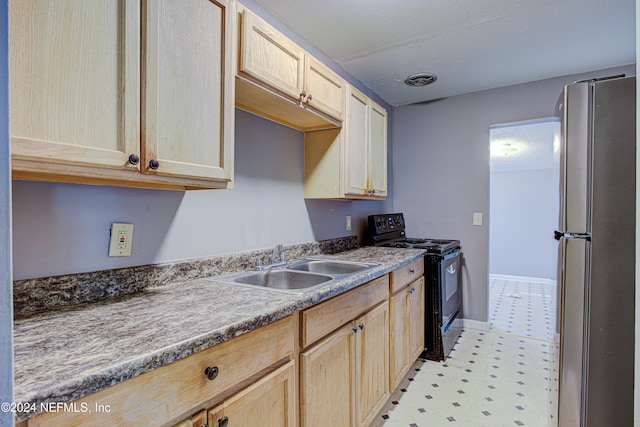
(543, 280)
(476, 324)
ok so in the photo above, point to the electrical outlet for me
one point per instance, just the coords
(477, 218)
(121, 239)
(348, 225)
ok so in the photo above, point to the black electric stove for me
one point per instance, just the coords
(443, 293)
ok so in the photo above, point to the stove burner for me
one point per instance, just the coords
(427, 247)
(398, 245)
(415, 241)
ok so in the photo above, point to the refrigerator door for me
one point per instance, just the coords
(575, 165)
(610, 304)
(574, 262)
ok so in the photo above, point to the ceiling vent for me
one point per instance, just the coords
(420, 79)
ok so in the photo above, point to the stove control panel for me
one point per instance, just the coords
(380, 224)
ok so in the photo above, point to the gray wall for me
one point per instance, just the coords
(524, 213)
(441, 167)
(64, 228)
(6, 300)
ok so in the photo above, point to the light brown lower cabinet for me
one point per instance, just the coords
(270, 402)
(344, 377)
(197, 420)
(407, 329)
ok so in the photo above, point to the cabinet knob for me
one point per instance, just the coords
(303, 95)
(309, 98)
(223, 422)
(211, 372)
(361, 326)
(154, 164)
(355, 329)
(134, 159)
(412, 271)
(412, 290)
(373, 191)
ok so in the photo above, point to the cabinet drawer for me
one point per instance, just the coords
(163, 394)
(406, 274)
(319, 320)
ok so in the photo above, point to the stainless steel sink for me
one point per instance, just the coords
(283, 279)
(298, 277)
(329, 266)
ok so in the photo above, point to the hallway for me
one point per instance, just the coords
(500, 377)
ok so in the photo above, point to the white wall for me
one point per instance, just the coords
(524, 213)
(441, 167)
(6, 299)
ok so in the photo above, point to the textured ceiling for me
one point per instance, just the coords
(470, 45)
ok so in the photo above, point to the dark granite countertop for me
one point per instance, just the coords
(70, 352)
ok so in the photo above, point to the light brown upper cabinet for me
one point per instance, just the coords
(123, 93)
(349, 163)
(277, 79)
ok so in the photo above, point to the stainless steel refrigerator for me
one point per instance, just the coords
(596, 271)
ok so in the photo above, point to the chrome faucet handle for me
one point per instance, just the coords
(283, 257)
(259, 263)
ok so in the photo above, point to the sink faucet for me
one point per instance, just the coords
(276, 254)
(274, 259)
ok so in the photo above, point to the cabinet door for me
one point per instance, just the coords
(327, 371)
(416, 319)
(188, 91)
(356, 145)
(270, 402)
(270, 57)
(75, 82)
(372, 363)
(377, 150)
(324, 88)
(399, 351)
(197, 420)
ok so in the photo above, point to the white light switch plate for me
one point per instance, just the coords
(121, 239)
(477, 218)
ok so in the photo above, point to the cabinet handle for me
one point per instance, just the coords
(211, 372)
(303, 95)
(412, 290)
(223, 422)
(373, 191)
(361, 326)
(134, 159)
(154, 164)
(412, 271)
(309, 98)
(355, 330)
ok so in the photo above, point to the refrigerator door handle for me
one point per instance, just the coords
(560, 235)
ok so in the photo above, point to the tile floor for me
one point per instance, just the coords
(500, 377)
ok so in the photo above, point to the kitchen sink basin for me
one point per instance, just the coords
(283, 279)
(323, 266)
(300, 276)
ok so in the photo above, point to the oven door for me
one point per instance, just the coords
(450, 287)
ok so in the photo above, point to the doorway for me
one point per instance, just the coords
(524, 198)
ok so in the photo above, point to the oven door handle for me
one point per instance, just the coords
(451, 255)
(451, 269)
